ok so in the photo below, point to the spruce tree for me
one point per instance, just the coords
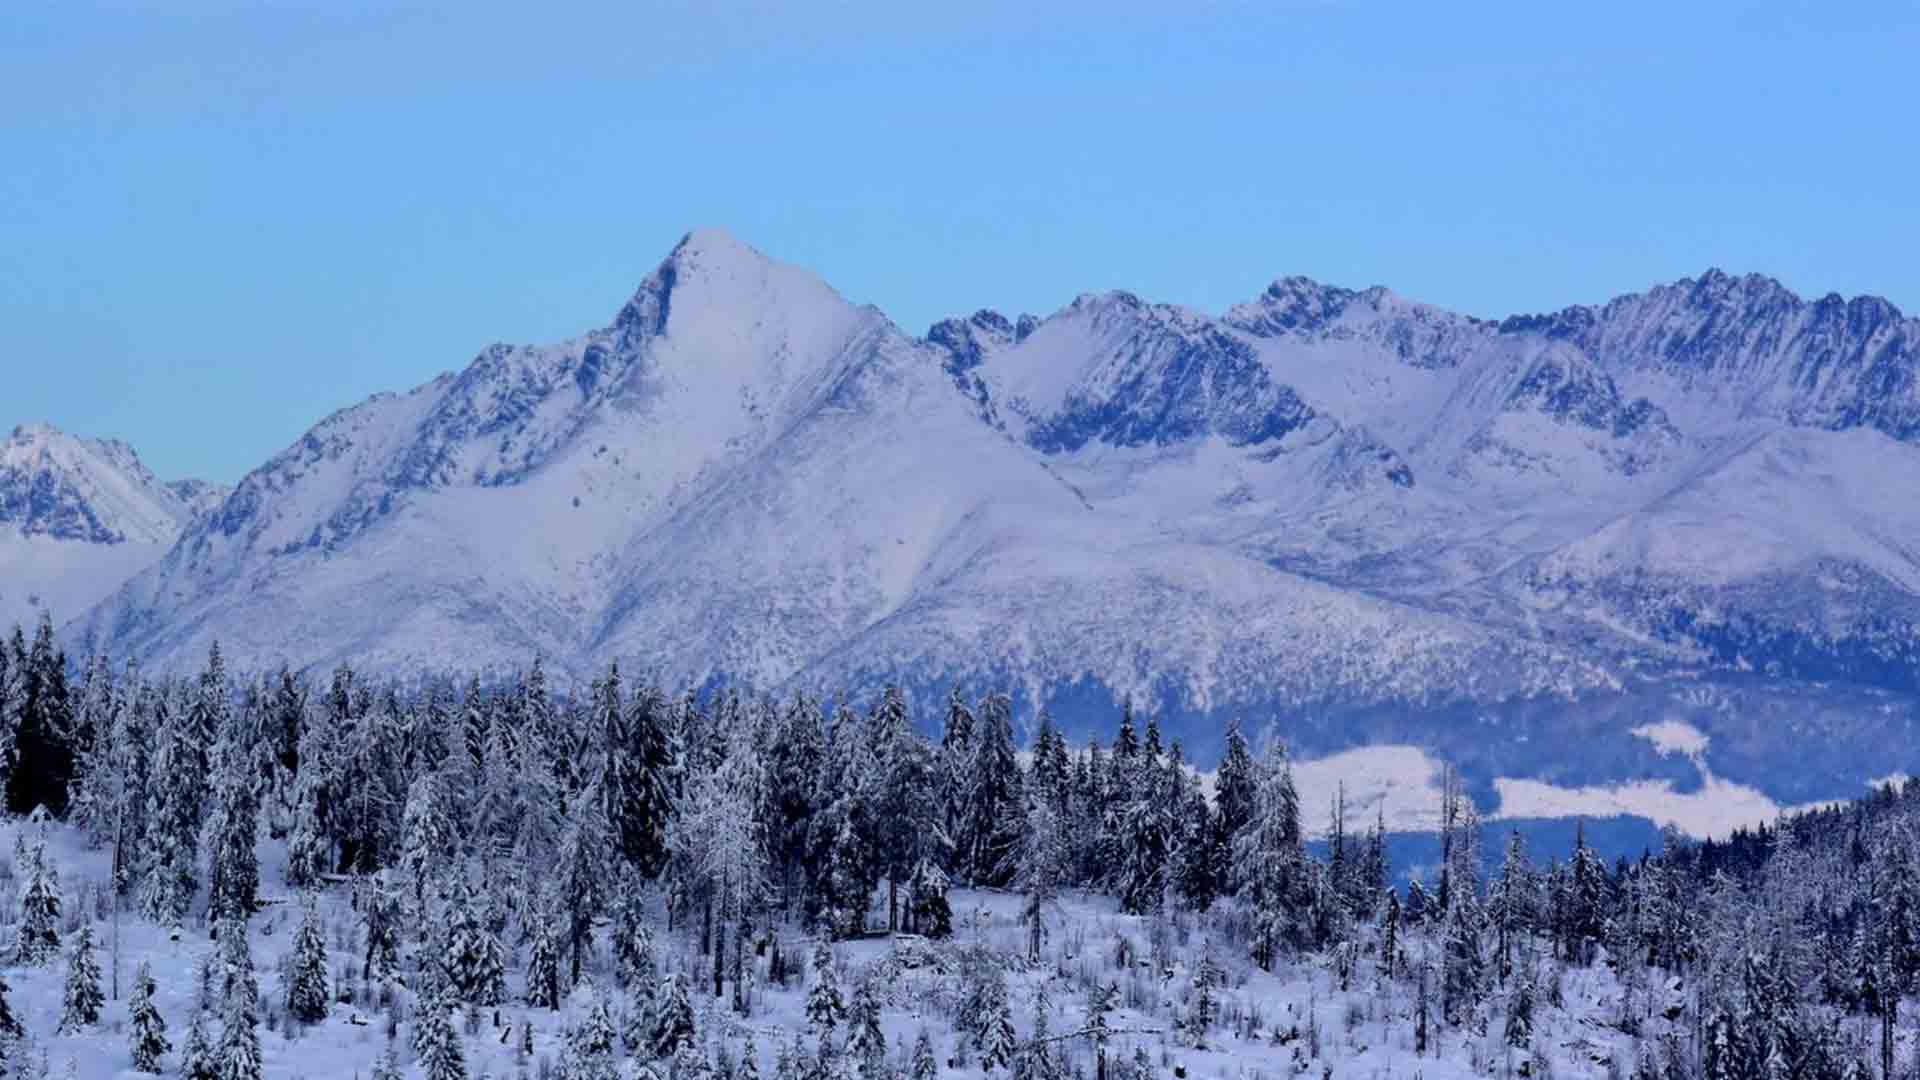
(235, 968)
(825, 1007)
(238, 1055)
(307, 998)
(37, 940)
(438, 1043)
(589, 1053)
(234, 877)
(924, 1065)
(866, 1040)
(632, 938)
(173, 814)
(1519, 1029)
(583, 866)
(1100, 1004)
(928, 911)
(387, 1065)
(1040, 870)
(80, 1005)
(543, 964)
(146, 1028)
(640, 777)
(1270, 863)
(42, 759)
(749, 1060)
(672, 1017)
(955, 779)
(427, 839)
(380, 910)
(475, 960)
(197, 1058)
(998, 1041)
(995, 813)
(9, 1023)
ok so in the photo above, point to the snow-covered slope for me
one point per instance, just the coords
(744, 476)
(78, 517)
(1322, 497)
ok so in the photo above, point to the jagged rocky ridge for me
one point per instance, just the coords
(1322, 497)
(80, 516)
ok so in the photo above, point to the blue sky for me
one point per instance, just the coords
(220, 222)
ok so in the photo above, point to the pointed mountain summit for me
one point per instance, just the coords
(1325, 498)
(80, 516)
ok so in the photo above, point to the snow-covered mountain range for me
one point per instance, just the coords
(78, 517)
(1321, 499)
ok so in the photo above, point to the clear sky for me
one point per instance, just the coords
(220, 223)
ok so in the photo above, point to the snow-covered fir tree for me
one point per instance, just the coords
(672, 1017)
(866, 1039)
(307, 994)
(80, 1004)
(826, 1006)
(197, 1058)
(437, 1041)
(475, 961)
(1270, 865)
(37, 938)
(237, 1055)
(146, 1028)
(10, 1027)
(544, 973)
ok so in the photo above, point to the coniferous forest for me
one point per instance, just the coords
(273, 874)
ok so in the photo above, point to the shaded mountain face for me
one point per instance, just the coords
(1322, 499)
(78, 517)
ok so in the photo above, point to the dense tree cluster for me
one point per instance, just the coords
(477, 824)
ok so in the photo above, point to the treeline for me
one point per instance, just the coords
(477, 822)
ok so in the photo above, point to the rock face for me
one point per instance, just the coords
(1323, 498)
(78, 517)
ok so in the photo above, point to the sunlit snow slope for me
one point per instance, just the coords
(1322, 497)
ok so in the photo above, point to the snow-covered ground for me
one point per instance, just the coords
(1296, 1019)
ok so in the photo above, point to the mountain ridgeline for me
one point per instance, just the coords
(1321, 501)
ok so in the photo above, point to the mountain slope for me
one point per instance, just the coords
(80, 516)
(1324, 497)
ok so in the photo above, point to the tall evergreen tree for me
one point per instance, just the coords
(174, 808)
(233, 876)
(146, 1028)
(640, 777)
(237, 1056)
(37, 939)
(673, 1028)
(438, 1043)
(307, 996)
(543, 958)
(826, 1008)
(996, 805)
(40, 764)
(1270, 862)
(10, 1027)
(80, 1005)
(197, 1059)
(475, 960)
(955, 763)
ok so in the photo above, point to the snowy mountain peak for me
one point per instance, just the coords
(80, 516)
(93, 490)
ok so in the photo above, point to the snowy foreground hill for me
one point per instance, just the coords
(1377, 521)
(1294, 1021)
